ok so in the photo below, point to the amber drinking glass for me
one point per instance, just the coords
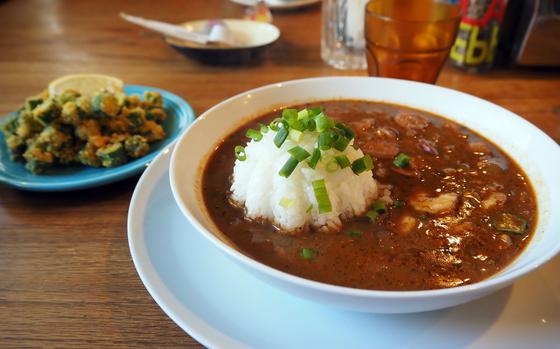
(410, 39)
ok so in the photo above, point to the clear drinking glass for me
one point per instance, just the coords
(342, 41)
(410, 39)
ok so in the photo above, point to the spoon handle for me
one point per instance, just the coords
(166, 28)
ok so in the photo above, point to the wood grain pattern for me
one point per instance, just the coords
(66, 276)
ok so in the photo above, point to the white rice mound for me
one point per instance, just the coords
(264, 194)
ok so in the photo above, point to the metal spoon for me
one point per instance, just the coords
(219, 32)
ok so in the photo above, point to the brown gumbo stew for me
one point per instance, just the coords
(459, 209)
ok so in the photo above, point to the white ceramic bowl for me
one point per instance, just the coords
(536, 153)
(253, 38)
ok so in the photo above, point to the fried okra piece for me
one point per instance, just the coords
(99, 141)
(53, 139)
(87, 129)
(71, 114)
(136, 146)
(133, 101)
(67, 153)
(16, 146)
(111, 155)
(152, 99)
(32, 102)
(88, 157)
(136, 118)
(68, 96)
(152, 131)
(26, 125)
(118, 137)
(38, 159)
(47, 112)
(105, 104)
(122, 99)
(156, 114)
(118, 125)
(10, 125)
(84, 104)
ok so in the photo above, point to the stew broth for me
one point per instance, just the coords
(422, 241)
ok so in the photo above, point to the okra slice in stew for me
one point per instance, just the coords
(510, 223)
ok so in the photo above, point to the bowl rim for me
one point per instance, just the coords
(265, 26)
(494, 281)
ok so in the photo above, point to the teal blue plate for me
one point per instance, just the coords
(76, 177)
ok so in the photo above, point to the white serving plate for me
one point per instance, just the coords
(224, 307)
(530, 147)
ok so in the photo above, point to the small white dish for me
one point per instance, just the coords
(250, 39)
(525, 143)
(279, 4)
(224, 307)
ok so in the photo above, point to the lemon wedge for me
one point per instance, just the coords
(86, 84)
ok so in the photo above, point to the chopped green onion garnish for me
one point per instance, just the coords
(286, 202)
(325, 141)
(281, 136)
(510, 223)
(298, 125)
(307, 253)
(355, 233)
(303, 114)
(254, 134)
(348, 133)
(332, 165)
(296, 135)
(290, 115)
(372, 215)
(323, 122)
(399, 204)
(275, 124)
(309, 208)
(341, 143)
(288, 167)
(310, 124)
(240, 153)
(401, 160)
(299, 153)
(379, 206)
(342, 161)
(362, 164)
(263, 128)
(315, 157)
(313, 112)
(322, 196)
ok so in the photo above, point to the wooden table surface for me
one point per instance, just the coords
(66, 275)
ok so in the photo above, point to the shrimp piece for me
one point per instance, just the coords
(494, 199)
(504, 241)
(479, 148)
(363, 124)
(406, 224)
(380, 148)
(387, 133)
(443, 203)
(411, 121)
(381, 171)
